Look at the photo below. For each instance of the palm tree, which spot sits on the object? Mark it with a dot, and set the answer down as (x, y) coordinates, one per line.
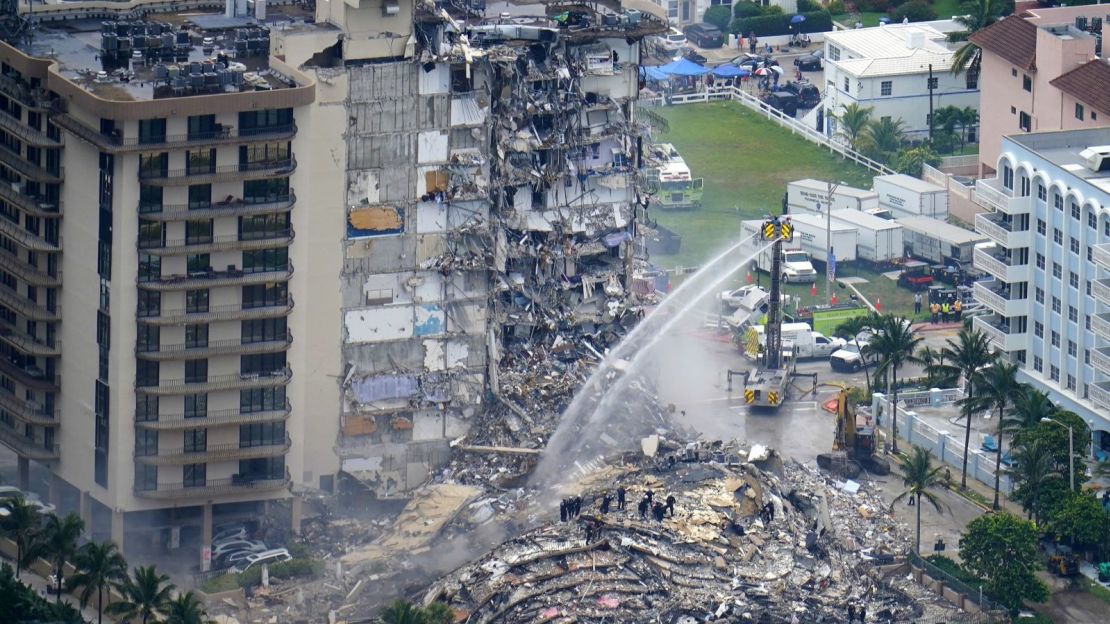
(401, 612)
(145, 595)
(896, 345)
(59, 543)
(883, 137)
(186, 609)
(920, 476)
(99, 567)
(22, 525)
(1031, 406)
(1035, 467)
(947, 118)
(970, 352)
(998, 386)
(970, 120)
(852, 121)
(979, 15)
(853, 327)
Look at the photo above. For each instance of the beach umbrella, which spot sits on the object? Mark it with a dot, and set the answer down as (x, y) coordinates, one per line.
(777, 69)
(797, 19)
(762, 71)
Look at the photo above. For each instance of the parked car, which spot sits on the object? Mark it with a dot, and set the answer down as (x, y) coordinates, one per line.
(229, 560)
(230, 532)
(785, 101)
(813, 61)
(752, 61)
(692, 55)
(808, 95)
(276, 555)
(705, 35)
(237, 545)
(36, 501)
(849, 358)
(673, 41)
(9, 492)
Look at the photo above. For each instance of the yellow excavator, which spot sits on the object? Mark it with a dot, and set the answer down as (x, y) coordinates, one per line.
(854, 443)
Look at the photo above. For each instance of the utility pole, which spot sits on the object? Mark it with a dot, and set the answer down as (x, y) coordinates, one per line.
(931, 87)
(828, 241)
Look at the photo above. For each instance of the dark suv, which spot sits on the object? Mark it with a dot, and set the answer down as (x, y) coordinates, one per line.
(704, 35)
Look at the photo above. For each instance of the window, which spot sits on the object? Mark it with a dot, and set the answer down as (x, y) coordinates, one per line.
(1057, 270)
(196, 301)
(198, 264)
(1087, 321)
(146, 477)
(263, 468)
(1075, 211)
(886, 87)
(265, 295)
(146, 408)
(1007, 177)
(1055, 339)
(1073, 280)
(196, 440)
(263, 153)
(261, 400)
(263, 434)
(256, 122)
(196, 405)
(264, 330)
(1058, 236)
(258, 260)
(972, 77)
(146, 442)
(1025, 122)
(200, 161)
(203, 127)
(150, 198)
(262, 363)
(1079, 111)
(150, 267)
(1088, 287)
(1074, 245)
(196, 371)
(1056, 305)
(1092, 221)
(263, 226)
(1039, 294)
(147, 338)
(1013, 72)
(1071, 347)
(146, 373)
(834, 53)
(1040, 226)
(1073, 314)
(1042, 192)
(154, 165)
(193, 475)
(196, 336)
(1038, 363)
(200, 196)
(1090, 255)
(152, 131)
(846, 90)
(1054, 373)
(1026, 83)
(1038, 329)
(266, 190)
(198, 232)
(1071, 382)
(1058, 201)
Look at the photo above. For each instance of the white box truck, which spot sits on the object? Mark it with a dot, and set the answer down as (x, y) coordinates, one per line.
(939, 242)
(796, 265)
(810, 236)
(800, 341)
(810, 196)
(907, 196)
(878, 240)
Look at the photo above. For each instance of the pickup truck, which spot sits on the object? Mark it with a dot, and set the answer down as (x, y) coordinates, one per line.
(849, 359)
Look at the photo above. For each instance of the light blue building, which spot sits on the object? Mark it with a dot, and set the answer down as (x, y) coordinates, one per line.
(1049, 221)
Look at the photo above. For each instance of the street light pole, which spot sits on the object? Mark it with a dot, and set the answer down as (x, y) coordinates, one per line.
(828, 241)
(1071, 449)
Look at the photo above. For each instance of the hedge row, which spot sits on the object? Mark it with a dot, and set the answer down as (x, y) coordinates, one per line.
(768, 25)
(253, 576)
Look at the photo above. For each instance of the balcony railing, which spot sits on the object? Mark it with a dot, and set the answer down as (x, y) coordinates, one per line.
(996, 227)
(236, 381)
(25, 307)
(211, 279)
(1000, 332)
(214, 453)
(25, 238)
(212, 348)
(36, 98)
(35, 205)
(1100, 394)
(997, 299)
(31, 171)
(219, 136)
(1100, 359)
(1101, 290)
(31, 377)
(232, 208)
(26, 343)
(232, 312)
(990, 194)
(26, 133)
(18, 267)
(1001, 268)
(216, 487)
(1100, 324)
(26, 447)
(210, 244)
(27, 411)
(216, 418)
(222, 173)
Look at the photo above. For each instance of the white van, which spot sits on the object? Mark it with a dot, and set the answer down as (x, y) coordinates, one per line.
(276, 555)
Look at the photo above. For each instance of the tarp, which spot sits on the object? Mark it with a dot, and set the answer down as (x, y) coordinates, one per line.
(683, 67)
(652, 72)
(730, 71)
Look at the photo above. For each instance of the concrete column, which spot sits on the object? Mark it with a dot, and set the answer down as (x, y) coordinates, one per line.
(84, 509)
(206, 526)
(117, 528)
(935, 397)
(910, 417)
(54, 490)
(295, 513)
(24, 473)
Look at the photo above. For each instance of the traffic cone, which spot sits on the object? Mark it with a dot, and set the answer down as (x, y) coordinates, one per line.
(832, 299)
(749, 277)
(878, 304)
(813, 290)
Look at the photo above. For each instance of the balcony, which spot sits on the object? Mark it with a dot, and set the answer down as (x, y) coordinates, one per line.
(232, 208)
(218, 243)
(213, 348)
(216, 487)
(1002, 268)
(998, 299)
(990, 194)
(1101, 255)
(235, 381)
(29, 170)
(26, 411)
(1100, 359)
(232, 312)
(26, 133)
(24, 238)
(26, 343)
(998, 330)
(1100, 394)
(25, 307)
(114, 143)
(212, 279)
(34, 205)
(18, 267)
(30, 376)
(1100, 288)
(36, 98)
(222, 173)
(1100, 324)
(215, 453)
(26, 447)
(998, 228)
(169, 422)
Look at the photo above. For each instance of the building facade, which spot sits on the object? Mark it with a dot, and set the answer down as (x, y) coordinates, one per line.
(899, 71)
(1049, 220)
(1023, 57)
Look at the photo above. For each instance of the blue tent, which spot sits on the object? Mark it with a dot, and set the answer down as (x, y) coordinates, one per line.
(730, 71)
(683, 67)
(651, 72)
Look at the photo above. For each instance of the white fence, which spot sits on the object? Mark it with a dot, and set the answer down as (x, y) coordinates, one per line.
(716, 94)
(946, 446)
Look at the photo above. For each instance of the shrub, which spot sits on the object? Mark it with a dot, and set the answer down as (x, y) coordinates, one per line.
(747, 9)
(809, 6)
(719, 16)
(286, 569)
(916, 11)
(219, 584)
(774, 9)
(836, 7)
(873, 6)
(767, 25)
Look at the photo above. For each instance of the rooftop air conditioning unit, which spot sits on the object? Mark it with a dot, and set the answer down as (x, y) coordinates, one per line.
(1097, 158)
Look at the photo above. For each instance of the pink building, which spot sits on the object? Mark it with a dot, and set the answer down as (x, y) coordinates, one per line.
(1041, 71)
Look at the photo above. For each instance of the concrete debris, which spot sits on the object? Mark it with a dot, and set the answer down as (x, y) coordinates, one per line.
(744, 543)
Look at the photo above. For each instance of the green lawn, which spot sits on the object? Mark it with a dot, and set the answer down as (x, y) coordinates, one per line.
(746, 162)
(947, 8)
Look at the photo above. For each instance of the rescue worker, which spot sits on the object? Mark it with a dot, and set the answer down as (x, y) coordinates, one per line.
(650, 496)
(916, 303)
(563, 510)
(934, 307)
(957, 308)
(851, 612)
(658, 510)
(670, 505)
(944, 309)
(620, 498)
(577, 506)
(642, 507)
(606, 500)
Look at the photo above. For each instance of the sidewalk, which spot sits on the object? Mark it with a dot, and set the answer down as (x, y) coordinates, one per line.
(38, 584)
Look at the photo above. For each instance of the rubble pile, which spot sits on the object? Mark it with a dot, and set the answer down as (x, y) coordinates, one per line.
(751, 538)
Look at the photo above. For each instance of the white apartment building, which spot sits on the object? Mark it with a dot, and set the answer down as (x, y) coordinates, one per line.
(1049, 220)
(898, 71)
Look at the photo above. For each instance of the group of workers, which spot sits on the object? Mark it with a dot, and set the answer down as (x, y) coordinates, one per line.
(571, 508)
(946, 311)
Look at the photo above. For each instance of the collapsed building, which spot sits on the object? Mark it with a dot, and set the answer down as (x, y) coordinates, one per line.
(491, 190)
